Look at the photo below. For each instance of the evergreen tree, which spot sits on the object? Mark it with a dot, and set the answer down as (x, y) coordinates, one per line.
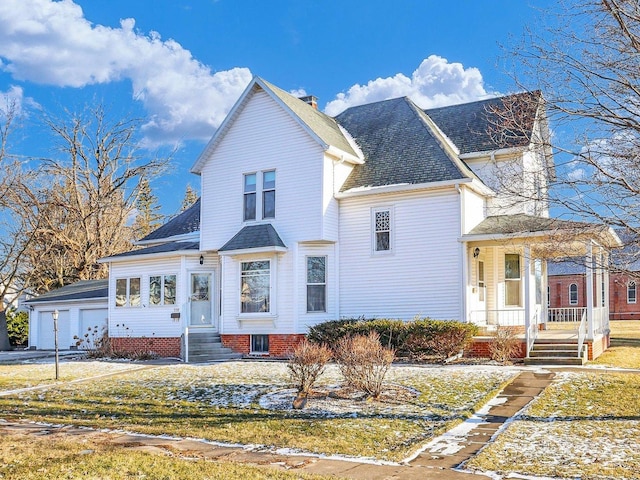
(148, 217)
(190, 197)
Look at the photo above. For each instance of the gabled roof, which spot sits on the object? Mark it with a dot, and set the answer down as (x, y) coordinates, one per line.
(185, 223)
(161, 249)
(400, 146)
(322, 128)
(476, 126)
(262, 236)
(82, 290)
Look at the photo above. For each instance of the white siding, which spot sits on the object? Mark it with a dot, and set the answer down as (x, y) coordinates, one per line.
(156, 321)
(263, 137)
(423, 275)
(474, 209)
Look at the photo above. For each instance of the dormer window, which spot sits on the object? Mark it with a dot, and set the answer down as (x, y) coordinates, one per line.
(266, 203)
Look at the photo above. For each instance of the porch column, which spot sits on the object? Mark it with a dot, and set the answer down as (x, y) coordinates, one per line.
(527, 293)
(589, 281)
(605, 312)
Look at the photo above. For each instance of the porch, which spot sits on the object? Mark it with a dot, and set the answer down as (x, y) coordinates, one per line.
(507, 287)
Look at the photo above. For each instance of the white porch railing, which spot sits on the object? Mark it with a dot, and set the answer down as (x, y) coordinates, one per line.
(582, 333)
(532, 331)
(565, 314)
(503, 318)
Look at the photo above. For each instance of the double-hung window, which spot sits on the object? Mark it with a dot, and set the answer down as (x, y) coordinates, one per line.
(162, 290)
(573, 294)
(512, 280)
(382, 234)
(316, 284)
(631, 292)
(255, 287)
(128, 292)
(264, 182)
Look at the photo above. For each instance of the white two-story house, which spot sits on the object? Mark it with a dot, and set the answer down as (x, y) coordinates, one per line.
(386, 210)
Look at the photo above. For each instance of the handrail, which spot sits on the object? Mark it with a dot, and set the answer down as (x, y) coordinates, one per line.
(582, 333)
(565, 314)
(186, 344)
(532, 332)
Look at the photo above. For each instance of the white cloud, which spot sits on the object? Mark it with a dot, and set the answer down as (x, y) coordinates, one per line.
(435, 83)
(50, 42)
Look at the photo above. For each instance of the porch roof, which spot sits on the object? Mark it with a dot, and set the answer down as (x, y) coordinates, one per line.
(254, 238)
(541, 230)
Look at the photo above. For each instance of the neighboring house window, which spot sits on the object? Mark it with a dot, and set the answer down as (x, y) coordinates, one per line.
(512, 279)
(631, 292)
(260, 344)
(316, 284)
(573, 294)
(255, 283)
(128, 292)
(162, 290)
(269, 194)
(382, 230)
(249, 203)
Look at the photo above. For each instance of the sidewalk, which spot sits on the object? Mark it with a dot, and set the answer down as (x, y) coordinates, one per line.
(18, 356)
(438, 460)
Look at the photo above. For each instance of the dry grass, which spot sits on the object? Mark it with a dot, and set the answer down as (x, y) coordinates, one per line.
(25, 457)
(624, 351)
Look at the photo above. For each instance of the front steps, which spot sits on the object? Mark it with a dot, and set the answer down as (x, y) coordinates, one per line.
(548, 352)
(206, 346)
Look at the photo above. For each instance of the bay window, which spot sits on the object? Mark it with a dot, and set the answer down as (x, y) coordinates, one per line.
(255, 287)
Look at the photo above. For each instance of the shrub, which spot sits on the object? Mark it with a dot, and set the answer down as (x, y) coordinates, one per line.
(437, 338)
(329, 333)
(18, 327)
(306, 364)
(392, 332)
(364, 362)
(95, 342)
(504, 345)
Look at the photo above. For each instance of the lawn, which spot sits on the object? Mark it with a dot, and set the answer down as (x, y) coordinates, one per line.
(624, 351)
(25, 457)
(249, 403)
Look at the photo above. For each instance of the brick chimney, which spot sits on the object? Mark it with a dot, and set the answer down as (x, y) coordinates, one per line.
(310, 100)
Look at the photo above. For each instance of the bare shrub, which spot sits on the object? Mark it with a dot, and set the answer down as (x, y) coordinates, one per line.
(504, 345)
(364, 362)
(95, 342)
(306, 364)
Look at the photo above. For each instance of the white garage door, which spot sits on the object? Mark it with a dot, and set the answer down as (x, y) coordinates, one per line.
(45, 331)
(92, 320)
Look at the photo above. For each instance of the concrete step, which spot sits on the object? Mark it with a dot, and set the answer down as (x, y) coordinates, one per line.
(208, 357)
(554, 353)
(555, 346)
(554, 361)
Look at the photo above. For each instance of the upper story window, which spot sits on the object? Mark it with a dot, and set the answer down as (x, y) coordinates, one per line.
(573, 294)
(269, 194)
(316, 284)
(249, 203)
(128, 292)
(255, 287)
(631, 292)
(512, 280)
(382, 234)
(162, 290)
(252, 202)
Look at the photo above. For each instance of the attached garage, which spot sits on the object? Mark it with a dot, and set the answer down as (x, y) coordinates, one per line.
(81, 306)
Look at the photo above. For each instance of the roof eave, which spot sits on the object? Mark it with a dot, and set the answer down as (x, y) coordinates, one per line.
(248, 251)
(403, 187)
(34, 301)
(175, 238)
(495, 152)
(125, 258)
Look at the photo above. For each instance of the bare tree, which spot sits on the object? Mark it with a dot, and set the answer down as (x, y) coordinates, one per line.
(88, 212)
(585, 57)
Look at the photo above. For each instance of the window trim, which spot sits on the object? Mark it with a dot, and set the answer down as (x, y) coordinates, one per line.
(246, 194)
(272, 296)
(514, 280)
(266, 190)
(259, 195)
(573, 301)
(162, 290)
(374, 231)
(308, 284)
(127, 302)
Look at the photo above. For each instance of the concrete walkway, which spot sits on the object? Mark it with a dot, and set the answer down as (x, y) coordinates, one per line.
(439, 460)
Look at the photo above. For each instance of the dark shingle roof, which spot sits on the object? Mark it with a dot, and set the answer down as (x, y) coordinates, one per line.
(162, 248)
(254, 236)
(186, 222)
(521, 223)
(474, 127)
(82, 290)
(398, 145)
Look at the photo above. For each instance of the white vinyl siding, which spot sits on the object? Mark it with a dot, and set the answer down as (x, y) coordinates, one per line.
(423, 277)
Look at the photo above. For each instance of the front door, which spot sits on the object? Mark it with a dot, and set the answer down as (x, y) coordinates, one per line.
(201, 299)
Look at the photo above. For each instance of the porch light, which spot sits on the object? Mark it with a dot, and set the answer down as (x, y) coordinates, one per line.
(55, 338)
(201, 260)
(476, 252)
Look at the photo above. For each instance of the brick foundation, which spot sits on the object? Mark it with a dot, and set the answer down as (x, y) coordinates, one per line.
(479, 348)
(280, 345)
(163, 347)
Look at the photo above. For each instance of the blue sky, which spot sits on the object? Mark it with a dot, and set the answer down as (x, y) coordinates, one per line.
(181, 64)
